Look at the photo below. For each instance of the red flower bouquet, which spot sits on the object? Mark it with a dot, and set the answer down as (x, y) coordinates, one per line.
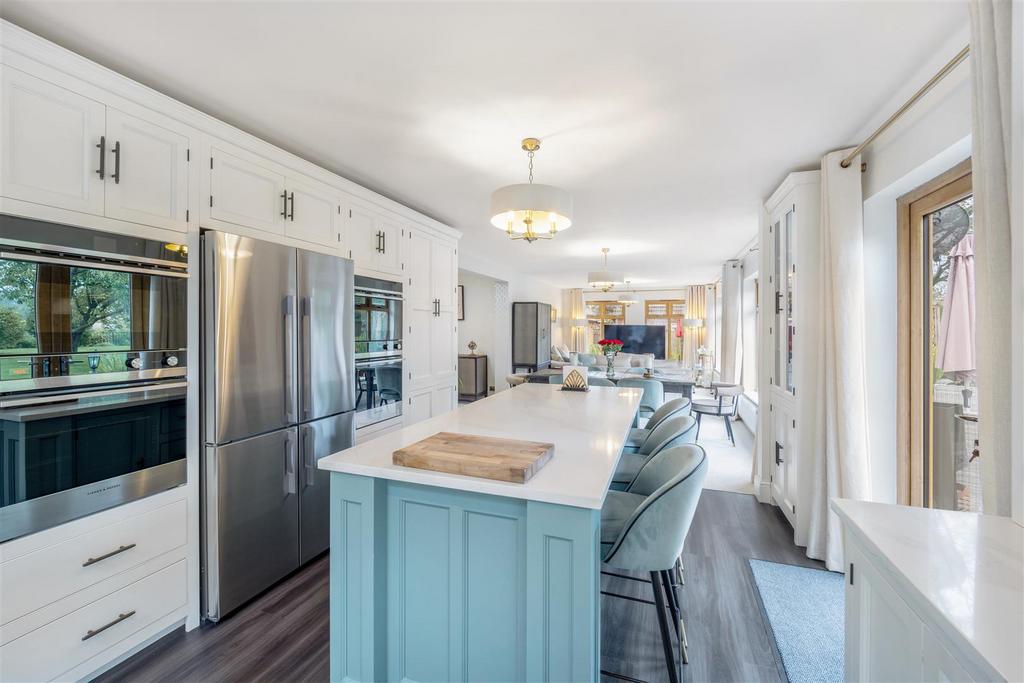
(610, 345)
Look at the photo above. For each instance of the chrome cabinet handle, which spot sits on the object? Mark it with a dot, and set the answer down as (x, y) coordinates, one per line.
(116, 175)
(310, 456)
(291, 198)
(120, 617)
(383, 242)
(121, 549)
(102, 170)
(284, 205)
(778, 448)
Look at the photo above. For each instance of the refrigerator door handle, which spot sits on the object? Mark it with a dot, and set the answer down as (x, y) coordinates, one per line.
(289, 358)
(309, 455)
(290, 466)
(307, 379)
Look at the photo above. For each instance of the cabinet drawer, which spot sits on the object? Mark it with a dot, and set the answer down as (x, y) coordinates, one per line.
(54, 572)
(63, 644)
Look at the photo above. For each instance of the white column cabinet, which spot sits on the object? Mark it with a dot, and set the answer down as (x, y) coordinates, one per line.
(148, 166)
(431, 333)
(788, 239)
(51, 144)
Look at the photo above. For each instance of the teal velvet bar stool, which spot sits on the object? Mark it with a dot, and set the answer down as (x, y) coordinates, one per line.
(654, 393)
(674, 431)
(644, 529)
(637, 436)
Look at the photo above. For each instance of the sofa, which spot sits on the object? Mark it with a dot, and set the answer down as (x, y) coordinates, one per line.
(561, 356)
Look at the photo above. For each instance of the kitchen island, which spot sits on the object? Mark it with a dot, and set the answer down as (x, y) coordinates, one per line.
(439, 576)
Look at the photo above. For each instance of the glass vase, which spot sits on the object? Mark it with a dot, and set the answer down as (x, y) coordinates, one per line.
(610, 370)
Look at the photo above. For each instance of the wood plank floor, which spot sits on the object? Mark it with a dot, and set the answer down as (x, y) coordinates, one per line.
(282, 635)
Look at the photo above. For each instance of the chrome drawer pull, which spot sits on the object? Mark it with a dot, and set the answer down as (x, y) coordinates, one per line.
(94, 560)
(101, 629)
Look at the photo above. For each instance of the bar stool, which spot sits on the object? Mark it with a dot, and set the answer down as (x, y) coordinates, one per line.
(674, 431)
(654, 394)
(644, 529)
(637, 436)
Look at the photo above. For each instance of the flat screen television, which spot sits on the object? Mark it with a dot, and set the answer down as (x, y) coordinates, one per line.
(639, 338)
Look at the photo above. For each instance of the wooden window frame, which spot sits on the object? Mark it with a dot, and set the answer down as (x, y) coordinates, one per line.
(951, 186)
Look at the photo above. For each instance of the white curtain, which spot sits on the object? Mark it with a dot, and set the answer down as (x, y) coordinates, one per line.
(732, 317)
(991, 26)
(833, 450)
(577, 311)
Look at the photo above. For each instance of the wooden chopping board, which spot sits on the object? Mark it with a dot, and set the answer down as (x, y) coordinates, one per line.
(489, 457)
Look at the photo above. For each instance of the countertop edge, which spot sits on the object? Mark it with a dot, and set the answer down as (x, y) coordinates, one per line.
(919, 602)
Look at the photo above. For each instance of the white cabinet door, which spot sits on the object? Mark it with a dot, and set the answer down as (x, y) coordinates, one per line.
(363, 236)
(51, 144)
(245, 193)
(418, 407)
(312, 213)
(419, 311)
(148, 172)
(444, 273)
(883, 635)
(443, 400)
(443, 352)
(938, 664)
(389, 258)
(784, 453)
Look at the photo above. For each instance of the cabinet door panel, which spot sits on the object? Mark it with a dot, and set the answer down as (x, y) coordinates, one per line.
(443, 356)
(245, 193)
(390, 257)
(420, 292)
(49, 144)
(442, 400)
(362, 235)
(416, 345)
(443, 274)
(418, 407)
(152, 183)
(312, 214)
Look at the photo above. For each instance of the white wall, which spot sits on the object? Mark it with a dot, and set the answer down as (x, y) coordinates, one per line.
(520, 287)
(933, 137)
(479, 323)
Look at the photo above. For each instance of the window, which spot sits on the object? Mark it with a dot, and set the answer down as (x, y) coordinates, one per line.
(670, 313)
(601, 313)
(940, 458)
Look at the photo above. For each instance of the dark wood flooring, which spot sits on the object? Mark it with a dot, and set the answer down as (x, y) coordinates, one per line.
(282, 635)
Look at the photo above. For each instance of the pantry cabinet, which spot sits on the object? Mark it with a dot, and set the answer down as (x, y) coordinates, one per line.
(67, 151)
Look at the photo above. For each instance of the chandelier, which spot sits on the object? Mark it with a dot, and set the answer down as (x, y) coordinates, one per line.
(626, 298)
(531, 211)
(605, 279)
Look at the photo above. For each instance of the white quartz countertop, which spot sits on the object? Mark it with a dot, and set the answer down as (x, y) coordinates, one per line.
(588, 431)
(961, 572)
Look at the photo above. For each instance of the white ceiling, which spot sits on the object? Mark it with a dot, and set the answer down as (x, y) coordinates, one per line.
(669, 122)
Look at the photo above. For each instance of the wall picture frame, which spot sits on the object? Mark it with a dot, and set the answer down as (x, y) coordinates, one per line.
(461, 302)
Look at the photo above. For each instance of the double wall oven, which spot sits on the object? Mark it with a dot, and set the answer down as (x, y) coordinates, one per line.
(92, 371)
(378, 350)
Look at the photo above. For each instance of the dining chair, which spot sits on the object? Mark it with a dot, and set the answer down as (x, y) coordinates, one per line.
(674, 431)
(638, 435)
(644, 529)
(726, 401)
(654, 393)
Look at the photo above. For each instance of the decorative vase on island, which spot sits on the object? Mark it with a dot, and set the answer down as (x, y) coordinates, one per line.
(610, 347)
(610, 357)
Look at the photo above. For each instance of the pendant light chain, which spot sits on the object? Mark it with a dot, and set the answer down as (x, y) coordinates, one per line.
(530, 154)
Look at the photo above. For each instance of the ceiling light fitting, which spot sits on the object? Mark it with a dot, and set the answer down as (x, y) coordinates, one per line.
(605, 280)
(626, 298)
(531, 211)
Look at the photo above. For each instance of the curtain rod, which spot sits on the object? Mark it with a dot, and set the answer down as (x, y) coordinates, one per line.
(943, 72)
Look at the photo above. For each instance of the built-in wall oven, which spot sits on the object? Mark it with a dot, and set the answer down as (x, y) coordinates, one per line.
(378, 350)
(92, 371)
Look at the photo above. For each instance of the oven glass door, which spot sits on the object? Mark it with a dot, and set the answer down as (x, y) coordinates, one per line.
(59, 319)
(378, 328)
(55, 454)
(378, 391)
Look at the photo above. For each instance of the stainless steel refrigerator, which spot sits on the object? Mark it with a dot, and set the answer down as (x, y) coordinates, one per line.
(278, 394)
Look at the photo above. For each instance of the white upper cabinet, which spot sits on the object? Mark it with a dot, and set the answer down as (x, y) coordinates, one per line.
(245, 192)
(313, 212)
(431, 336)
(147, 166)
(375, 239)
(51, 145)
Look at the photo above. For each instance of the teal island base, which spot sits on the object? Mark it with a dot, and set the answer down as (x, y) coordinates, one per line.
(437, 584)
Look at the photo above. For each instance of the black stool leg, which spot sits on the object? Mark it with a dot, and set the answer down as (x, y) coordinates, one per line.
(670, 598)
(659, 602)
(728, 428)
(696, 437)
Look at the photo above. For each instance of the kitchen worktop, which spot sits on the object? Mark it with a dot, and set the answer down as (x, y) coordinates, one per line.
(587, 429)
(961, 571)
